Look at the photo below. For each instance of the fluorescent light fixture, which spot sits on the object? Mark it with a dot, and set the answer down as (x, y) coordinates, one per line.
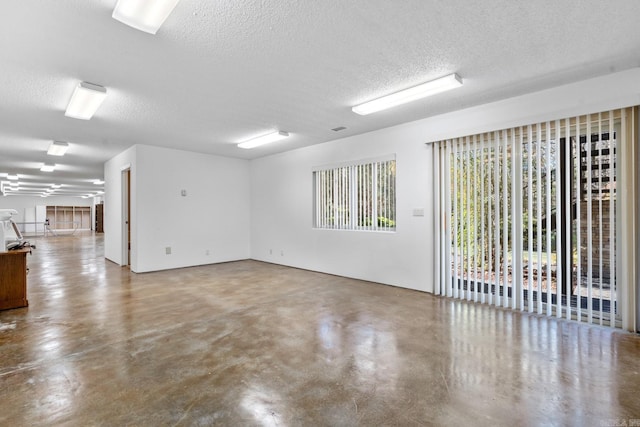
(85, 101)
(12, 177)
(449, 82)
(56, 186)
(47, 167)
(98, 181)
(58, 148)
(264, 139)
(144, 15)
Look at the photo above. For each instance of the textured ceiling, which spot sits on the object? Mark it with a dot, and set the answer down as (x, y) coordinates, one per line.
(219, 72)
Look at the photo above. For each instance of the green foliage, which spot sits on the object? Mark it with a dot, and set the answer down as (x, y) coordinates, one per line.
(481, 187)
(386, 222)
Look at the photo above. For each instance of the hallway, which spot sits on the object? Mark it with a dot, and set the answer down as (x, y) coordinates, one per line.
(250, 343)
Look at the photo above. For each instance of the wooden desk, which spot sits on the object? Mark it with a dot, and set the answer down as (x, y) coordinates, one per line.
(13, 279)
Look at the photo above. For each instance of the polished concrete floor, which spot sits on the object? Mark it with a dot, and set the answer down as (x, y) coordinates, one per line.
(248, 343)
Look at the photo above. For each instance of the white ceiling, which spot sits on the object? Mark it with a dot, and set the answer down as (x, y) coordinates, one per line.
(220, 72)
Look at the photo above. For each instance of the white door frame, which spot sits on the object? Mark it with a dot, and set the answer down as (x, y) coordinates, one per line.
(125, 176)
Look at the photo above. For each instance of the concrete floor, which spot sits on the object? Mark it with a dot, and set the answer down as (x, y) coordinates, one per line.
(248, 343)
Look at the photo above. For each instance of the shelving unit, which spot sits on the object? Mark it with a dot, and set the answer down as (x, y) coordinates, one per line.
(69, 217)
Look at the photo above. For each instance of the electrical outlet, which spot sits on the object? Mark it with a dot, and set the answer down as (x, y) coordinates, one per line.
(167, 250)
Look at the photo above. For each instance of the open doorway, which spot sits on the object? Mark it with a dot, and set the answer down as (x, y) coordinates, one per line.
(126, 217)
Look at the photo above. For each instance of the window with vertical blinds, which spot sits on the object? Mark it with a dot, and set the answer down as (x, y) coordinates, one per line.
(358, 196)
(530, 217)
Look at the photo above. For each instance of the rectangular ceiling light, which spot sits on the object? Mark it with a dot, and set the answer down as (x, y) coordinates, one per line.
(449, 82)
(12, 177)
(264, 139)
(58, 148)
(47, 167)
(85, 101)
(144, 15)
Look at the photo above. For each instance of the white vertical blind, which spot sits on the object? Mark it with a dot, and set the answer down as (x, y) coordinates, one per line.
(437, 206)
(528, 217)
(476, 219)
(468, 209)
(505, 223)
(612, 210)
(517, 141)
(447, 164)
(558, 216)
(538, 213)
(566, 224)
(496, 224)
(578, 223)
(483, 239)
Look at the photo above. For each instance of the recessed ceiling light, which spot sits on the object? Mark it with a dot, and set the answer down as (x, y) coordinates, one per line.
(442, 84)
(47, 167)
(98, 181)
(85, 101)
(264, 139)
(144, 15)
(58, 148)
(12, 177)
(56, 186)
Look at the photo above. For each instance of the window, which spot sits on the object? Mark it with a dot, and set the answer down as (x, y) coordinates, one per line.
(359, 196)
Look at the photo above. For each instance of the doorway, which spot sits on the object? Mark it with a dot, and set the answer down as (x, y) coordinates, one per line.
(126, 217)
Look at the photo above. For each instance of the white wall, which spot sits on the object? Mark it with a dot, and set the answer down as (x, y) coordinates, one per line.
(208, 225)
(281, 213)
(281, 185)
(112, 223)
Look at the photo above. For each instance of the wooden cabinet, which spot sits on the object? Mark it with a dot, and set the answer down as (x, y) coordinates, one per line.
(13, 279)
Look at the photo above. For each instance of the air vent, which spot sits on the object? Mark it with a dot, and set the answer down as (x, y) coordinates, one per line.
(338, 129)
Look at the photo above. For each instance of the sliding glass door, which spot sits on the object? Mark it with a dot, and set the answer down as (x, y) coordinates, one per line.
(529, 217)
